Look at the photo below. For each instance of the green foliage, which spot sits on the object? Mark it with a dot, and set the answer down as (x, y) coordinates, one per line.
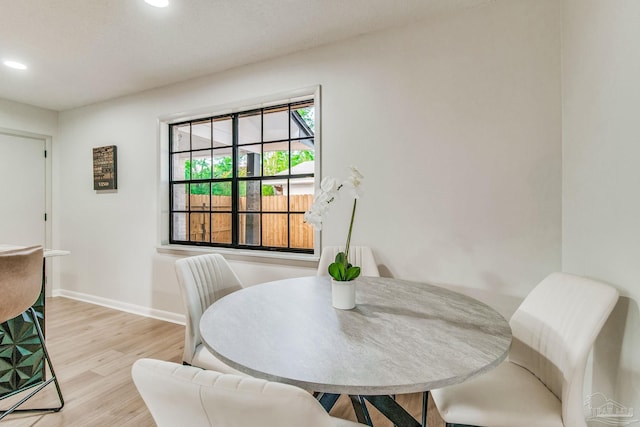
(307, 115)
(223, 167)
(267, 190)
(199, 169)
(301, 156)
(274, 162)
(342, 270)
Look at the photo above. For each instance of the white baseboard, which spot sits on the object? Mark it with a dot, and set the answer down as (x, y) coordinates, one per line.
(167, 316)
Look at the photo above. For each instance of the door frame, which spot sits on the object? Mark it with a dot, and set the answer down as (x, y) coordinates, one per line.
(48, 227)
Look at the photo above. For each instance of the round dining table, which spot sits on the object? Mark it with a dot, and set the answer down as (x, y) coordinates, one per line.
(402, 337)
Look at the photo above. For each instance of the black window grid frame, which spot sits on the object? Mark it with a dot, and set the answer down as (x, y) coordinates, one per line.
(235, 180)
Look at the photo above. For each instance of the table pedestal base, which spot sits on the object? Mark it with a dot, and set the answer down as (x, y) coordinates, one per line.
(385, 404)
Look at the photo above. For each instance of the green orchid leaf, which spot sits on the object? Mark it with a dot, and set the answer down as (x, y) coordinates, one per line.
(351, 273)
(342, 270)
(337, 271)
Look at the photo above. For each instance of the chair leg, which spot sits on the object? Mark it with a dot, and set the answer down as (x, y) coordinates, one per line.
(360, 409)
(425, 399)
(31, 312)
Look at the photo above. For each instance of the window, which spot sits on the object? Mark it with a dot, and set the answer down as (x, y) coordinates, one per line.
(244, 179)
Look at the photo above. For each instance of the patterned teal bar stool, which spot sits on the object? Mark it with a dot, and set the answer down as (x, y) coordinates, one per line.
(20, 286)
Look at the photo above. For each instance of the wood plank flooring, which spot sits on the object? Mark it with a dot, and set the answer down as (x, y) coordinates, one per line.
(93, 348)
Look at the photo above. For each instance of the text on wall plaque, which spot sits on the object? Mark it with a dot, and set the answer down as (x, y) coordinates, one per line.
(105, 168)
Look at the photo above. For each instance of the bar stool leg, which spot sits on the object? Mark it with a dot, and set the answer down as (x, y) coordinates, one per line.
(54, 379)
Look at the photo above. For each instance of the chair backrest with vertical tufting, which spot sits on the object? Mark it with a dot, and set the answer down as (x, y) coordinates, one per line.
(554, 330)
(203, 280)
(188, 396)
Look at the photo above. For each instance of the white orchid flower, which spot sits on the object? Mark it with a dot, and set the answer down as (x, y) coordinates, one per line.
(329, 185)
(354, 181)
(356, 175)
(314, 219)
(327, 193)
(322, 197)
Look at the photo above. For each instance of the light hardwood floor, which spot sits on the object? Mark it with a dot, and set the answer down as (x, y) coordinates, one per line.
(93, 348)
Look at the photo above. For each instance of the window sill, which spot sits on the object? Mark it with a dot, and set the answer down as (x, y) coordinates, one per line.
(304, 260)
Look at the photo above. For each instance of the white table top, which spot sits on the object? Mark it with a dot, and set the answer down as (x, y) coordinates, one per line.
(47, 252)
(402, 337)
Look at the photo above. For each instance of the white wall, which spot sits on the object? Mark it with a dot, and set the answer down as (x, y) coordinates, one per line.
(454, 123)
(25, 118)
(601, 176)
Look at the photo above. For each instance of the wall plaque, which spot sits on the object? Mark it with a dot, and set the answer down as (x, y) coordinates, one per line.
(105, 168)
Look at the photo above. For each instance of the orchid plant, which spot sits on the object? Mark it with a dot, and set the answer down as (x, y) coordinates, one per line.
(341, 270)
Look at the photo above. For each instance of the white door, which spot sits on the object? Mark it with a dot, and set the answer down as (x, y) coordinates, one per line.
(22, 190)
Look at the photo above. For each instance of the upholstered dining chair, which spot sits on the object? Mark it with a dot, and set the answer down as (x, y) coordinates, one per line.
(541, 384)
(20, 285)
(178, 395)
(362, 256)
(203, 279)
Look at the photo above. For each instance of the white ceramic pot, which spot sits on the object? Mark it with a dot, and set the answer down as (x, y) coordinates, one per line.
(343, 294)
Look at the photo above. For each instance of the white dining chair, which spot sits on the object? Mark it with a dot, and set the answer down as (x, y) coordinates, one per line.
(203, 279)
(20, 285)
(362, 256)
(178, 395)
(541, 384)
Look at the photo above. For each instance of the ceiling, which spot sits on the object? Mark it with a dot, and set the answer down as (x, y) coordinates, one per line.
(84, 51)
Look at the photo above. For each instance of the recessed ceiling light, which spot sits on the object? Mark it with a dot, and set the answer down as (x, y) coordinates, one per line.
(14, 64)
(158, 3)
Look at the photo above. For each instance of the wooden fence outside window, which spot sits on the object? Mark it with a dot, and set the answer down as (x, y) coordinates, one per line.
(277, 229)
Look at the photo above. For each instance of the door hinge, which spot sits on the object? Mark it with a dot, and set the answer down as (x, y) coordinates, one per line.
(45, 216)
(45, 154)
